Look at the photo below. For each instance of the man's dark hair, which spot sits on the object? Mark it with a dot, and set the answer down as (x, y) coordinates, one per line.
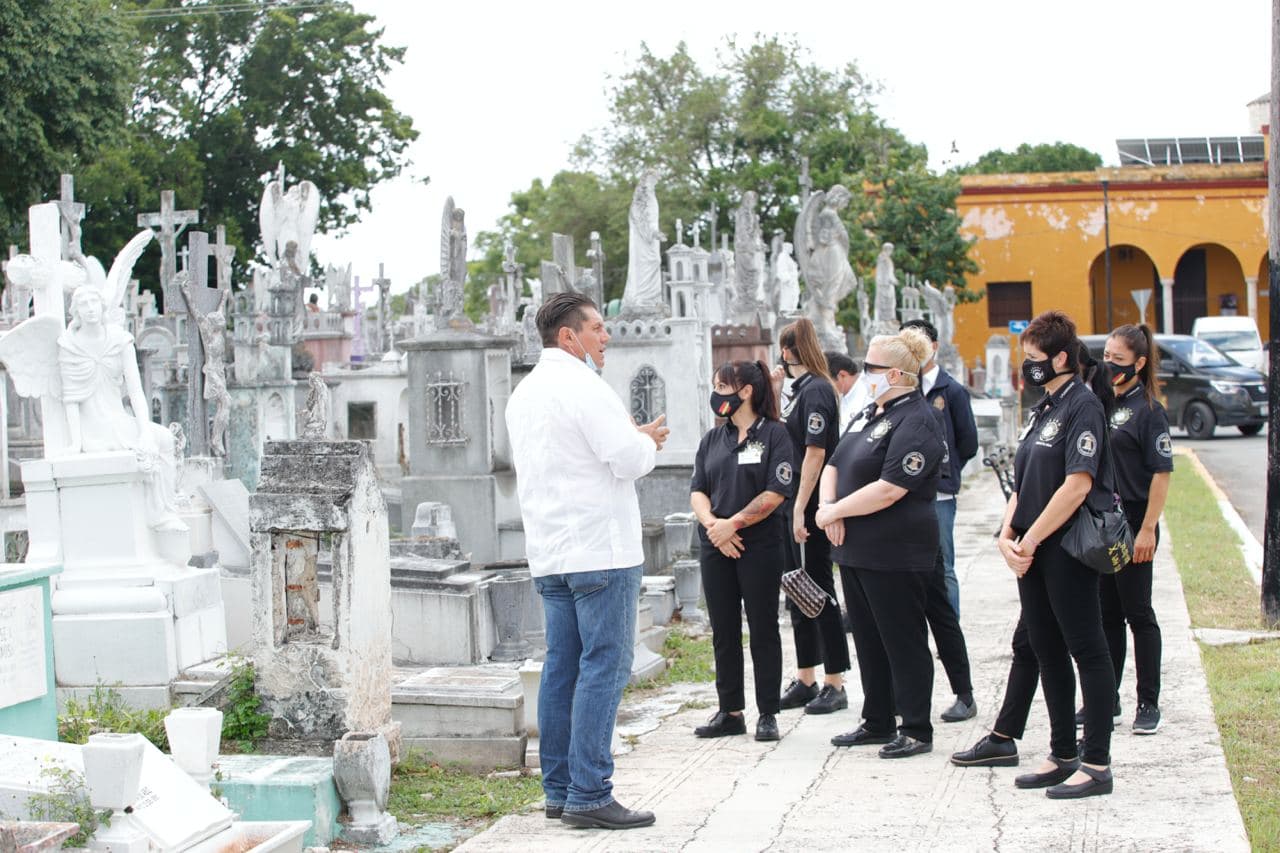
(838, 361)
(559, 310)
(924, 326)
(314, 299)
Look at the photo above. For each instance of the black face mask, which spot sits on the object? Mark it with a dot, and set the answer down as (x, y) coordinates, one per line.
(786, 367)
(724, 405)
(1121, 374)
(1038, 372)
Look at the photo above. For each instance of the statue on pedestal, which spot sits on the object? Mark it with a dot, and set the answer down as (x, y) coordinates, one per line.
(786, 275)
(822, 246)
(643, 292)
(886, 308)
(748, 261)
(449, 293)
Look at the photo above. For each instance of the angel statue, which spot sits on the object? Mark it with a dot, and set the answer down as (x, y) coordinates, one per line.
(643, 291)
(886, 289)
(453, 266)
(822, 250)
(748, 259)
(90, 367)
(942, 306)
(288, 217)
(213, 339)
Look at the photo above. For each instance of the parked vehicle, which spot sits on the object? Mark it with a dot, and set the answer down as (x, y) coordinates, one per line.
(1202, 387)
(1236, 336)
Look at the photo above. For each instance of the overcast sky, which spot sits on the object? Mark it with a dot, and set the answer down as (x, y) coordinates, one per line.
(501, 91)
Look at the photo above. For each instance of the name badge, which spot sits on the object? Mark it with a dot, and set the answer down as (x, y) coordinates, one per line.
(751, 454)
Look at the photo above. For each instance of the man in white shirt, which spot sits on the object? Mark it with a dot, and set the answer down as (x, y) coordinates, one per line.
(577, 455)
(853, 394)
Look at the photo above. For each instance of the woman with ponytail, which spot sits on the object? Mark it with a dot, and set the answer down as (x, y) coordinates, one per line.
(742, 475)
(812, 414)
(1143, 455)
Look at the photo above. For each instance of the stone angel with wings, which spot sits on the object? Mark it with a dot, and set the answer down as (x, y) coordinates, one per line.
(822, 251)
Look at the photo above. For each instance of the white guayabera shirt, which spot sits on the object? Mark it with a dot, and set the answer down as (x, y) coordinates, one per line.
(577, 455)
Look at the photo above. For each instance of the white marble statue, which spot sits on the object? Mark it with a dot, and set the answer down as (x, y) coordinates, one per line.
(748, 259)
(787, 274)
(942, 305)
(886, 308)
(337, 284)
(822, 246)
(288, 217)
(449, 293)
(315, 419)
(213, 339)
(643, 291)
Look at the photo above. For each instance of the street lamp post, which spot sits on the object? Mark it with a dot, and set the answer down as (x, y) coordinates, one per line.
(1106, 261)
(1271, 534)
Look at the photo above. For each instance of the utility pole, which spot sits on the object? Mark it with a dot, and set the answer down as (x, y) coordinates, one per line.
(1271, 534)
(1106, 263)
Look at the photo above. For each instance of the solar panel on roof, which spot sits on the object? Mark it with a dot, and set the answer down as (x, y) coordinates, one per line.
(1177, 151)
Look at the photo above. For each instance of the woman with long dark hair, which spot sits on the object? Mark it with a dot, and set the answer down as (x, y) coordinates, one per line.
(743, 472)
(812, 413)
(1060, 464)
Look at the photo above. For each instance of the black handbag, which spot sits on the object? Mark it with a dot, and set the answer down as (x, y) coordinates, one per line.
(1102, 541)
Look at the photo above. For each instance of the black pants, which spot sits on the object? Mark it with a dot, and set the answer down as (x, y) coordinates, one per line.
(752, 581)
(945, 626)
(892, 640)
(1126, 597)
(1064, 621)
(1020, 690)
(820, 640)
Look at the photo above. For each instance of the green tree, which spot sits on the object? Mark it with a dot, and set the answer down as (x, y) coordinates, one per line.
(68, 70)
(1046, 157)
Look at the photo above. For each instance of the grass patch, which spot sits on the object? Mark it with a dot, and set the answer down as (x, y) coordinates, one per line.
(104, 710)
(1244, 681)
(1220, 592)
(423, 790)
(690, 660)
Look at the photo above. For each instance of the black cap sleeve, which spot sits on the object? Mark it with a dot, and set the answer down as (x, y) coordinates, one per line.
(819, 411)
(914, 453)
(1157, 445)
(779, 459)
(699, 481)
(1082, 444)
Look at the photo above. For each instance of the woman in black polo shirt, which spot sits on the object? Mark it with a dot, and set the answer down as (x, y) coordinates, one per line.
(877, 508)
(1060, 465)
(742, 474)
(1143, 456)
(812, 414)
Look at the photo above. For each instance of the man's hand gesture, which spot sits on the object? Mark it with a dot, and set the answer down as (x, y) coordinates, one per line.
(655, 430)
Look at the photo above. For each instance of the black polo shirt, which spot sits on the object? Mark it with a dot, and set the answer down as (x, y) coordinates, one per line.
(812, 415)
(732, 473)
(1140, 443)
(1063, 435)
(904, 446)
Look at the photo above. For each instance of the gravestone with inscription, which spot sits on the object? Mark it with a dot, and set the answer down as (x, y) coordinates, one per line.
(27, 703)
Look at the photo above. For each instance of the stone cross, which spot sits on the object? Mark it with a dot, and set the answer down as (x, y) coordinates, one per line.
(223, 255)
(806, 182)
(204, 299)
(72, 212)
(358, 348)
(170, 224)
(383, 284)
(562, 254)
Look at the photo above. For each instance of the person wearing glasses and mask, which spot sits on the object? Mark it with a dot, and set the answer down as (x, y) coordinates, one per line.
(878, 494)
(812, 414)
(743, 472)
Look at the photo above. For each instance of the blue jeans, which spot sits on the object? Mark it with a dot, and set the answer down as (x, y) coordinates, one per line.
(947, 544)
(591, 626)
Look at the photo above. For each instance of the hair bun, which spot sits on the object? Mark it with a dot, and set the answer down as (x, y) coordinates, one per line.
(917, 342)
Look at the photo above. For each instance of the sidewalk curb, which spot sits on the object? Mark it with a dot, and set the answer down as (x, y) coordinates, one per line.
(1250, 547)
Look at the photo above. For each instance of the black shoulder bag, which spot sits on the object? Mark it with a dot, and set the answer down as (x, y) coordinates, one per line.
(1101, 540)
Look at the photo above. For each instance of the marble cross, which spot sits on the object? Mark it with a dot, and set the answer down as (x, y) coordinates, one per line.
(358, 348)
(72, 212)
(383, 284)
(806, 182)
(204, 299)
(223, 255)
(170, 223)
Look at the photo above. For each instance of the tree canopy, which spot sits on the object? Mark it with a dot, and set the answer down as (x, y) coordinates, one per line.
(1046, 157)
(742, 124)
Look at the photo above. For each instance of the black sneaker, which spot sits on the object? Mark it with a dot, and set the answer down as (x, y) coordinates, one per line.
(798, 694)
(722, 724)
(1147, 720)
(829, 700)
(988, 753)
(767, 728)
(1115, 714)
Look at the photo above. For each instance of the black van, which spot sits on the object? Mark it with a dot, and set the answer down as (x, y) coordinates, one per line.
(1202, 387)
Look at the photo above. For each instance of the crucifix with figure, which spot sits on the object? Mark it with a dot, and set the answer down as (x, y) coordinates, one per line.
(358, 347)
(170, 223)
(206, 351)
(383, 285)
(71, 213)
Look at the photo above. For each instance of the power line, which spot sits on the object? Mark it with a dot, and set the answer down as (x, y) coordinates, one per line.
(228, 8)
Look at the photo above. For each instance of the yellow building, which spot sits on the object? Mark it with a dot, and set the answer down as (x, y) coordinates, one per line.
(1193, 234)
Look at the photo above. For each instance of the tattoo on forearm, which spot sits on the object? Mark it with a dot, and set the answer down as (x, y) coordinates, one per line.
(760, 507)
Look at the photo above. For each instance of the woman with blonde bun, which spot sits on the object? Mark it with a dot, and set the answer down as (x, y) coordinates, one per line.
(876, 505)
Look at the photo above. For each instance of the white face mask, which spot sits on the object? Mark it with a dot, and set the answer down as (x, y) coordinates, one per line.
(586, 356)
(876, 384)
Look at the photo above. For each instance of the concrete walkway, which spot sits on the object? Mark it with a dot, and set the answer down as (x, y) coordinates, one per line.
(1172, 791)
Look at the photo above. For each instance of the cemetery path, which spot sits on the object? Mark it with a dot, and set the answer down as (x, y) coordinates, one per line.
(1172, 791)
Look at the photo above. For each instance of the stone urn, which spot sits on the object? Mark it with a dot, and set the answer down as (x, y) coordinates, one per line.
(689, 590)
(112, 775)
(507, 597)
(678, 528)
(362, 774)
(194, 737)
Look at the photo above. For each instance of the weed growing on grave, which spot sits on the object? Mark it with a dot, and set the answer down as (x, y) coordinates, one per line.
(242, 719)
(423, 790)
(689, 660)
(66, 801)
(104, 710)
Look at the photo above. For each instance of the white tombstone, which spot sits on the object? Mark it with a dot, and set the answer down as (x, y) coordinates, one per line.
(999, 375)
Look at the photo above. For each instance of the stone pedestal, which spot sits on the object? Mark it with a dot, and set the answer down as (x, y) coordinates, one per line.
(260, 412)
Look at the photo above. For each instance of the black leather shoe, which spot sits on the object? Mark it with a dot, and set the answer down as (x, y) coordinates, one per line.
(1115, 714)
(798, 694)
(554, 812)
(613, 816)
(959, 712)
(861, 737)
(904, 746)
(721, 725)
(767, 728)
(829, 700)
(988, 753)
(1060, 773)
(1099, 782)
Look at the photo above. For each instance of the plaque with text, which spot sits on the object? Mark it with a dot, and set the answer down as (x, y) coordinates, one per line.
(22, 653)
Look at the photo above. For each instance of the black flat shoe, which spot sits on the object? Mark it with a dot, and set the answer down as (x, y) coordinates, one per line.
(1115, 714)
(861, 737)
(904, 746)
(1043, 780)
(959, 712)
(798, 694)
(1099, 782)
(829, 700)
(554, 812)
(988, 753)
(722, 724)
(613, 816)
(767, 728)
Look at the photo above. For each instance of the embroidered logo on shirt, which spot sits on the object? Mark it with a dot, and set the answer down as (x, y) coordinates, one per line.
(783, 473)
(881, 430)
(939, 403)
(1164, 445)
(1050, 430)
(1086, 444)
(913, 463)
(1121, 416)
(817, 423)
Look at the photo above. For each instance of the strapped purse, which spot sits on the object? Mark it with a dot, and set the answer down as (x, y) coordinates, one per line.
(804, 593)
(1103, 541)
